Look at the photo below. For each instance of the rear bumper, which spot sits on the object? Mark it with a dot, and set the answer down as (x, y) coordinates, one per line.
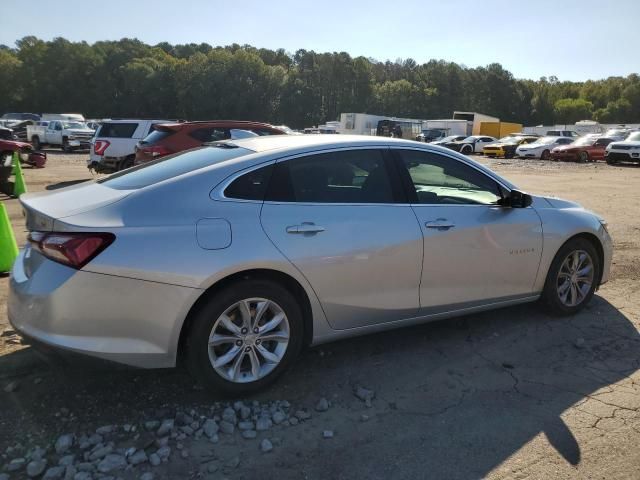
(129, 321)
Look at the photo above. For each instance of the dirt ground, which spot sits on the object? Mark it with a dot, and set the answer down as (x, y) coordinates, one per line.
(512, 393)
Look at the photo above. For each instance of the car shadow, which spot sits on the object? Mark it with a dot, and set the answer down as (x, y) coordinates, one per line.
(453, 399)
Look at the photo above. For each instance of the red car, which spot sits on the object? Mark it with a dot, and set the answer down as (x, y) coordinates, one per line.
(170, 138)
(8, 145)
(585, 149)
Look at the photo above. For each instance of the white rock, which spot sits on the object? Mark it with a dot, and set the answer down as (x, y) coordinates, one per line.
(327, 434)
(16, 464)
(249, 434)
(82, 476)
(63, 443)
(210, 427)
(67, 460)
(266, 446)
(154, 459)
(164, 452)
(263, 423)
(36, 467)
(54, 473)
(278, 417)
(137, 458)
(112, 462)
(146, 476)
(227, 427)
(322, 405)
(165, 427)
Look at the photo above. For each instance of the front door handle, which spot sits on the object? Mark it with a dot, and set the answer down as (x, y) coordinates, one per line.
(305, 227)
(440, 224)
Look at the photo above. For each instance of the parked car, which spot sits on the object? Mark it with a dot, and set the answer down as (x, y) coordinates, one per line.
(506, 146)
(66, 134)
(113, 147)
(257, 247)
(472, 144)
(27, 156)
(589, 148)
(617, 134)
(176, 137)
(562, 133)
(450, 138)
(20, 117)
(429, 135)
(625, 151)
(542, 147)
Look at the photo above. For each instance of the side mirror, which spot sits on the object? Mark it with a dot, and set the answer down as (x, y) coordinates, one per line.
(517, 199)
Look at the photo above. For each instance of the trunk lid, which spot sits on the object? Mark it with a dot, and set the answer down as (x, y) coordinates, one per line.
(42, 209)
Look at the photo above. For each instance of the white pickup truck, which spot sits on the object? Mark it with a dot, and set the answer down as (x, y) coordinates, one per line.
(69, 135)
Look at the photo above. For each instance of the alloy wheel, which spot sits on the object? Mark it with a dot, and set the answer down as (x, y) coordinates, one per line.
(249, 340)
(575, 278)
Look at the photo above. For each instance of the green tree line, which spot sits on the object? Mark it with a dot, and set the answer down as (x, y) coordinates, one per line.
(128, 78)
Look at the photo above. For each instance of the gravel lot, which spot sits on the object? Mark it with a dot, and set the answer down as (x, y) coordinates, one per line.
(505, 394)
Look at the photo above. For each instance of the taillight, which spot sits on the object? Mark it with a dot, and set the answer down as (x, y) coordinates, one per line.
(156, 150)
(72, 249)
(100, 146)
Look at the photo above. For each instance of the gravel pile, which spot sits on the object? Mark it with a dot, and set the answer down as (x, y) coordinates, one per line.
(111, 452)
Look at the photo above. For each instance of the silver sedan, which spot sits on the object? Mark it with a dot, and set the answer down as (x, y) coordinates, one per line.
(237, 255)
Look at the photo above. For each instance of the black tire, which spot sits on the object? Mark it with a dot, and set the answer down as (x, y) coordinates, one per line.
(466, 150)
(611, 162)
(545, 155)
(583, 157)
(35, 141)
(65, 145)
(204, 319)
(550, 297)
(126, 163)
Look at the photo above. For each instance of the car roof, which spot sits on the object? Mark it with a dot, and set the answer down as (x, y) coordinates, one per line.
(217, 123)
(281, 142)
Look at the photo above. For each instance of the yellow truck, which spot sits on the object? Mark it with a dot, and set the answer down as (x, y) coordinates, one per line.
(499, 129)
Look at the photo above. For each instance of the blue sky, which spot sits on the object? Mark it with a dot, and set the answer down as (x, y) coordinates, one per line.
(571, 39)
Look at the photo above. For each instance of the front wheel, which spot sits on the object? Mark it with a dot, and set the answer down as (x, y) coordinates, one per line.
(244, 337)
(572, 278)
(35, 141)
(466, 150)
(584, 157)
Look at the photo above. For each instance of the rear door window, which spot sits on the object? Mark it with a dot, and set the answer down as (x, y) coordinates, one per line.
(117, 130)
(356, 176)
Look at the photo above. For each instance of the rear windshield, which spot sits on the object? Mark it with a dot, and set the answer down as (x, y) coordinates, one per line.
(172, 166)
(157, 135)
(117, 130)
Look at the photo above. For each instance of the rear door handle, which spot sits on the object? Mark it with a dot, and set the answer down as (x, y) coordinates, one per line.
(440, 224)
(305, 227)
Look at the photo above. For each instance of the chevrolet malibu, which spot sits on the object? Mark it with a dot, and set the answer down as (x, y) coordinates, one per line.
(235, 256)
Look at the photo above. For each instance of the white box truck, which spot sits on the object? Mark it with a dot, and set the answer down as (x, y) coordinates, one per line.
(434, 130)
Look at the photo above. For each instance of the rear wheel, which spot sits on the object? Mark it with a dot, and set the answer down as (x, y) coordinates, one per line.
(244, 337)
(572, 277)
(611, 161)
(545, 155)
(35, 141)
